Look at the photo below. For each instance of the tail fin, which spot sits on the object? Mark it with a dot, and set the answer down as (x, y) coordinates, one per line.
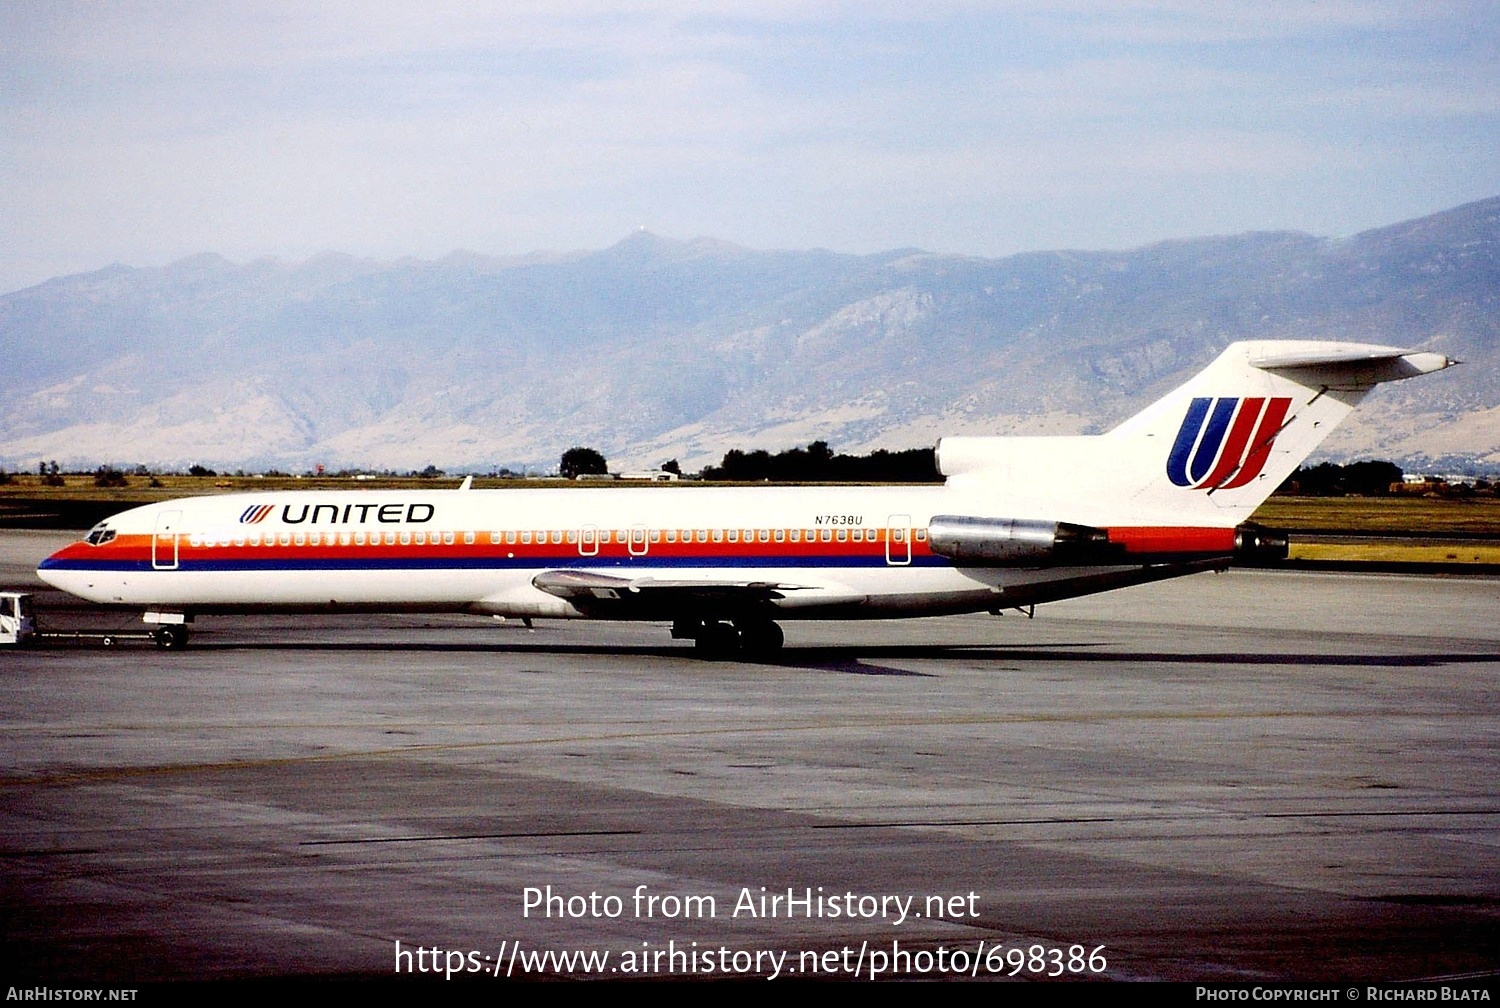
(1210, 451)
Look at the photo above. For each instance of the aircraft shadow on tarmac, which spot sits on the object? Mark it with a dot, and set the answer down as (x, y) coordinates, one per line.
(856, 659)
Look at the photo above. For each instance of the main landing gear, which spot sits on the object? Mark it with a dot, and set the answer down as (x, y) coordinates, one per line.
(722, 639)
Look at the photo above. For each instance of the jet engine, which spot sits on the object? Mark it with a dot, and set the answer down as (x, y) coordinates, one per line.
(1257, 544)
(1000, 542)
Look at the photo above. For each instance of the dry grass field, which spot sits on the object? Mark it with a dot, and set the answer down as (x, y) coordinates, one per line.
(1406, 516)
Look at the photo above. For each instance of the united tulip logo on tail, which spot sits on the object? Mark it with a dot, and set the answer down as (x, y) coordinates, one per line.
(1224, 443)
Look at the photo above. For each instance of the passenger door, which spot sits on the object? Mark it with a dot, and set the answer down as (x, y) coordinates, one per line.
(164, 540)
(898, 540)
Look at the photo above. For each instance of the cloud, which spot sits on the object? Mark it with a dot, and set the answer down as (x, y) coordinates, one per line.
(147, 131)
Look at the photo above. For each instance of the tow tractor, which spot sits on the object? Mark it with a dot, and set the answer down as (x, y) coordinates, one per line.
(17, 619)
(18, 627)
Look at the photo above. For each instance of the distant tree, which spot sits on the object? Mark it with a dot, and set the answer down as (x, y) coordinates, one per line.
(431, 472)
(671, 466)
(5, 478)
(1371, 479)
(198, 470)
(108, 476)
(1328, 479)
(578, 462)
(817, 462)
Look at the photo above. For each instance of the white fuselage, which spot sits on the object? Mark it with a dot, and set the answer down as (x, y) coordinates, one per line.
(851, 550)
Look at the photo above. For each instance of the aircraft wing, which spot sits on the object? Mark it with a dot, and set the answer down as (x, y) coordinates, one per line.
(593, 588)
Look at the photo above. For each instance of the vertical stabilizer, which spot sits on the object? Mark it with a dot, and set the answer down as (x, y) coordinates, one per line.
(1207, 453)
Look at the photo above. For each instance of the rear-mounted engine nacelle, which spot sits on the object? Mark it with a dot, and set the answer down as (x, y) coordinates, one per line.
(996, 542)
(1257, 544)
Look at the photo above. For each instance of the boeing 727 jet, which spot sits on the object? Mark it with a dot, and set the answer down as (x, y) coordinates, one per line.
(1018, 521)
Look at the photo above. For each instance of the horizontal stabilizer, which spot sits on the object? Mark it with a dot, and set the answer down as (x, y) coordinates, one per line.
(1359, 364)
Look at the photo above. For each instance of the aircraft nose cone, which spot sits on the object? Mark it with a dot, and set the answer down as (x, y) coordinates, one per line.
(58, 571)
(51, 571)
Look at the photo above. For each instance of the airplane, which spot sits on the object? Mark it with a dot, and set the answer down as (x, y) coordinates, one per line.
(1018, 521)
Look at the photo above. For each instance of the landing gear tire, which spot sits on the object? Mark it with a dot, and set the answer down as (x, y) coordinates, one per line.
(172, 637)
(760, 639)
(717, 641)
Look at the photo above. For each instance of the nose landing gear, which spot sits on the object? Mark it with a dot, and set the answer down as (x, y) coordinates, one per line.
(170, 636)
(171, 632)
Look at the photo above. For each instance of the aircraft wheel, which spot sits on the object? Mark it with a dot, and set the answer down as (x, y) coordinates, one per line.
(761, 638)
(171, 637)
(717, 641)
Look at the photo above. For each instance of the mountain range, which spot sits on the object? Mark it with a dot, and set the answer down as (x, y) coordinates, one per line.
(655, 349)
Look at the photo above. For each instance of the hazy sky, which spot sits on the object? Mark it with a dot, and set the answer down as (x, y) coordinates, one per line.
(144, 132)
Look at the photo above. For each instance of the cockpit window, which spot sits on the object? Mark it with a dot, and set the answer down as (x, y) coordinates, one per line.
(99, 535)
